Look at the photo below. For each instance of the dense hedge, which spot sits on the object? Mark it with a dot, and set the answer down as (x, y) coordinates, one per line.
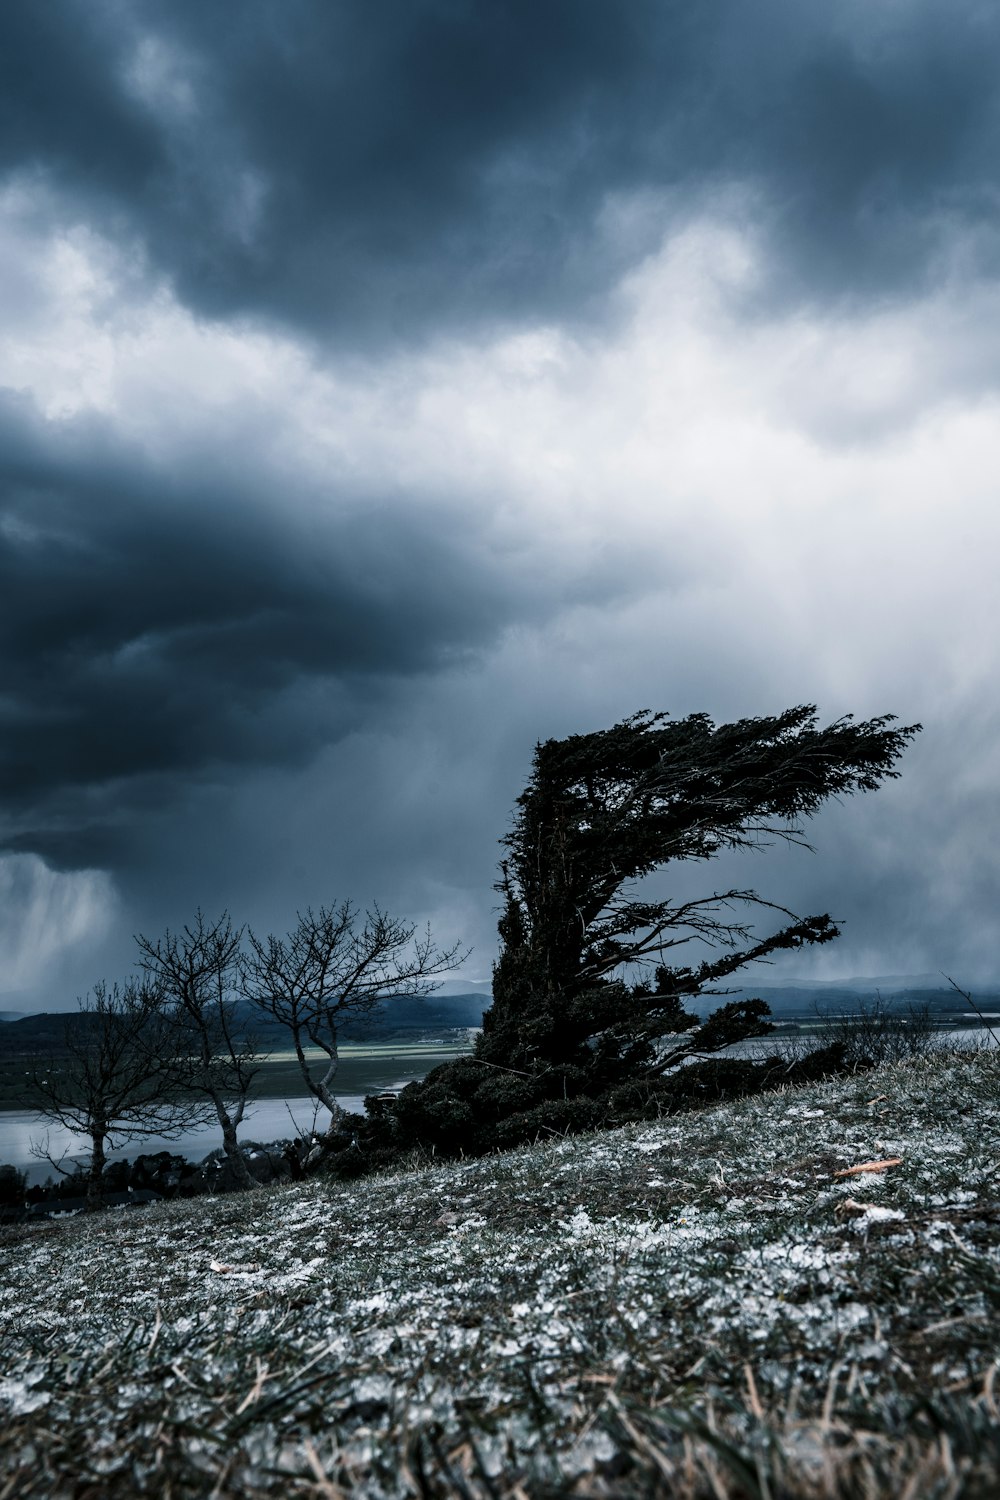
(465, 1108)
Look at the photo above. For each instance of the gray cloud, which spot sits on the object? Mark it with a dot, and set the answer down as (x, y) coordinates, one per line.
(327, 518)
(375, 172)
(162, 625)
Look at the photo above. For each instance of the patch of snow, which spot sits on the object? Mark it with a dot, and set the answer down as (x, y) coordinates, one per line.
(877, 1215)
(21, 1399)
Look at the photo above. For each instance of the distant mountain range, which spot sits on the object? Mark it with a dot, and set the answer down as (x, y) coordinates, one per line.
(885, 984)
(438, 1011)
(800, 998)
(457, 988)
(451, 1008)
(407, 1015)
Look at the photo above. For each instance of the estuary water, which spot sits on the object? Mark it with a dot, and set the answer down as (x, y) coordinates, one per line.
(266, 1120)
(284, 1119)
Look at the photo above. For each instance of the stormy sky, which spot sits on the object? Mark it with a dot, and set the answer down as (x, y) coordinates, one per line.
(384, 388)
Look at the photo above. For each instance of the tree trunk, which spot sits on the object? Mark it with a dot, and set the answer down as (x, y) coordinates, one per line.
(235, 1157)
(96, 1173)
(322, 1093)
(319, 1088)
(231, 1145)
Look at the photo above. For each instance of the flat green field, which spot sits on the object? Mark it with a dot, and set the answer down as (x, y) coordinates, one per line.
(364, 1069)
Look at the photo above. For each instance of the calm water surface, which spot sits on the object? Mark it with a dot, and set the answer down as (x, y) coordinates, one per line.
(276, 1119)
(266, 1120)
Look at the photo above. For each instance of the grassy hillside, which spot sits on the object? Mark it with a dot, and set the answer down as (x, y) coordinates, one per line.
(696, 1307)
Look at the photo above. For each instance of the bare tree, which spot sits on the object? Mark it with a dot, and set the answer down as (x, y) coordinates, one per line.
(115, 1079)
(874, 1033)
(332, 968)
(197, 972)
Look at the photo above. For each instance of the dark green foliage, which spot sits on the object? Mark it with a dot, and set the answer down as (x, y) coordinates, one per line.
(442, 1112)
(600, 812)
(718, 1078)
(551, 1117)
(577, 1033)
(464, 1108)
(12, 1186)
(353, 1161)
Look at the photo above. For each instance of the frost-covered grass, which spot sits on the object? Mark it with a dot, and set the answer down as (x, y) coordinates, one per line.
(695, 1307)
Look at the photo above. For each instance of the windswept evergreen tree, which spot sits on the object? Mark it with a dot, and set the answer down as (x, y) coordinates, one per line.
(603, 810)
(588, 1009)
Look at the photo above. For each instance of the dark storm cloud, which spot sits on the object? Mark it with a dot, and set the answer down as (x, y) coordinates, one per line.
(375, 169)
(226, 652)
(158, 625)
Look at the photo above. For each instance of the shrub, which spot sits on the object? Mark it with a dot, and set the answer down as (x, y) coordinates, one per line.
(875, 1033)
(12, 1186)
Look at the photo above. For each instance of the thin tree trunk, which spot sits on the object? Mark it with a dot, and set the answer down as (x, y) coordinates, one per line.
(235, 1157)
(319, 1087)
(329, 1102)
(231, 1145)
(96, 1174)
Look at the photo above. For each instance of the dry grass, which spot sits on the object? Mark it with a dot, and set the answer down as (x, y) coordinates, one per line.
(697, 1307)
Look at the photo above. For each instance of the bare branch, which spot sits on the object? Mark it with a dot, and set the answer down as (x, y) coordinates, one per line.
(332, 968)
(197, 971)
(114, 1078)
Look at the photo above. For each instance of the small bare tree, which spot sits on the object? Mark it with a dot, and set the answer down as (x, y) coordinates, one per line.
(197, 972)
(115, 1079)
(331, 968)
(874, 1033)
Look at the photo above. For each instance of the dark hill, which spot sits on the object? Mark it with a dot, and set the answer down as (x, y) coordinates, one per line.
(44, 1032)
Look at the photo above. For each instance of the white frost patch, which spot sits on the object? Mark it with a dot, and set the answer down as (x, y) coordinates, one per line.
(581, 1225)
(21, 1399)
(374, 1388)
(877, 1215)
(377, 1302)
(805, 1257)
